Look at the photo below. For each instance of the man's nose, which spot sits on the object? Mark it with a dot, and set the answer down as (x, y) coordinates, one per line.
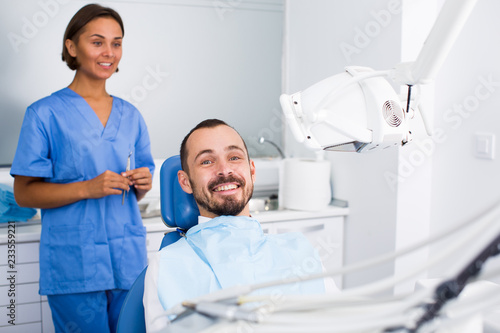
(224, 168)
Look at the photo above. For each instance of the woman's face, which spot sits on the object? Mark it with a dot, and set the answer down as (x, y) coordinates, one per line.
(99, 48)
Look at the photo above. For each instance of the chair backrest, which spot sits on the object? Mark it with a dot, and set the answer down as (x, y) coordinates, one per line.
(178, 210)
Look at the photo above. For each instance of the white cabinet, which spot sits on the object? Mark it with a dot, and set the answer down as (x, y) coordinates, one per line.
(325, 234)
(20, 304)
(325, 230)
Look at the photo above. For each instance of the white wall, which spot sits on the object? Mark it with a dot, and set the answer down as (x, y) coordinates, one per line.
(316, 33)
(464, 186)
(183, 61)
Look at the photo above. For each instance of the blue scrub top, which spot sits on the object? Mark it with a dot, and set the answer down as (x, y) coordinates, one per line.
(92, 244)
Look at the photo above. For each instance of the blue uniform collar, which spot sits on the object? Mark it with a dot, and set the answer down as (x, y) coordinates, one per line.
(81, 106)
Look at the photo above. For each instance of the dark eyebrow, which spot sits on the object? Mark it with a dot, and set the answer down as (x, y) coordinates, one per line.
(101, 36)
(210, 151)
(205, 151)
(235, 147)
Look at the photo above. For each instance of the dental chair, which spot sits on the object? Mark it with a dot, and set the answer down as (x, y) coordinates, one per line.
(178, 210)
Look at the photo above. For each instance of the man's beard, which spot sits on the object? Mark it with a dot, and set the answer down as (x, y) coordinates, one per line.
(231, 205)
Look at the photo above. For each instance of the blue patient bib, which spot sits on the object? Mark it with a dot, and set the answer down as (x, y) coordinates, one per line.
(228, 251)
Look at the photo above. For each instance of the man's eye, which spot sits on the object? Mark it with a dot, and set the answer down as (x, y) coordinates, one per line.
(206, 162)
(234, 158)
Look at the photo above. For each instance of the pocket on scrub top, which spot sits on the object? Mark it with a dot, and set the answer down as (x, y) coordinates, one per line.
(72, 252)
(133, 256)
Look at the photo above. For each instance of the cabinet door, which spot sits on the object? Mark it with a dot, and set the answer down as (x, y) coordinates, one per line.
(325, 234)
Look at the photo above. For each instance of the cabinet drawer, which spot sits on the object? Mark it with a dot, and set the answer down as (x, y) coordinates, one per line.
(24, 253)
(23, 314)
(24, 293)
(24, 273)
(22, 328)
(307, 226)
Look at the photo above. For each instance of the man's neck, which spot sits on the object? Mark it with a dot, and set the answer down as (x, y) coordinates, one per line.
(205, 213)
(205, 217)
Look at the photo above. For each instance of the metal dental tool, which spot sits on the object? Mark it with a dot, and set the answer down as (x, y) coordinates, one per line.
(127, 169)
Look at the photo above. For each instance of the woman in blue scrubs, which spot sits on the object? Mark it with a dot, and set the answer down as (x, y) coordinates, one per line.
(71, 161)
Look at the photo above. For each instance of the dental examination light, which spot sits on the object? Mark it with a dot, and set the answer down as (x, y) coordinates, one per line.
(359, 110)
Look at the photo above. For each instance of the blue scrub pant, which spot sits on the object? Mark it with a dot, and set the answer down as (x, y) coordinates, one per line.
(87, 312)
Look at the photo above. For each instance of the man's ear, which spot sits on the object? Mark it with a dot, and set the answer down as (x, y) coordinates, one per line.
(252, 170)
(183, 178)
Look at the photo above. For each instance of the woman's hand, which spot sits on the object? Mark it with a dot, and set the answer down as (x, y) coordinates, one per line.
(35, 192)
(141, 179)
(107, 183)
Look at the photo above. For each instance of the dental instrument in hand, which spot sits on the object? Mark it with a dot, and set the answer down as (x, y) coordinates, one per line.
(127, 169)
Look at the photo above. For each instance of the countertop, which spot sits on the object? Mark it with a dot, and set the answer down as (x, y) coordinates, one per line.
(30, 231)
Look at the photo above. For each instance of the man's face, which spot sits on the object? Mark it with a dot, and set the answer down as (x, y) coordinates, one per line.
(219, 174)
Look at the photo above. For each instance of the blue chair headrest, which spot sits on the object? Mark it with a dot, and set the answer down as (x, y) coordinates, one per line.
(178, 208)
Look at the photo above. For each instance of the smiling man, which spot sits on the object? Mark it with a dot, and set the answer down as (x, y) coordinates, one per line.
(217, 170)
(227, 247)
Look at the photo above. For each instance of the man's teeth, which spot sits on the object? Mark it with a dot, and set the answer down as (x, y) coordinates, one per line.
(225, 188)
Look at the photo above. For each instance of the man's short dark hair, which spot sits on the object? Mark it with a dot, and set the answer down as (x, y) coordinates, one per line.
(208, 123)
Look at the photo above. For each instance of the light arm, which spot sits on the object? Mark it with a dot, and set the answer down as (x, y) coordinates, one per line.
(445, 31)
